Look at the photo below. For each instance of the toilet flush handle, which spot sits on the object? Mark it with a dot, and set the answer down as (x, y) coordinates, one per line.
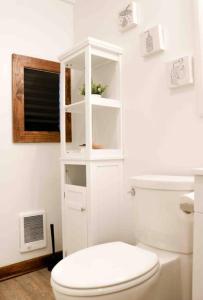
(132, 192)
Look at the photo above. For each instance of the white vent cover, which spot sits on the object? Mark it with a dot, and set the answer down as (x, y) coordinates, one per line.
(32, 231)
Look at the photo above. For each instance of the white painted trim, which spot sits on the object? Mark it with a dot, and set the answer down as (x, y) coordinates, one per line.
(198, 17)
(69, 1)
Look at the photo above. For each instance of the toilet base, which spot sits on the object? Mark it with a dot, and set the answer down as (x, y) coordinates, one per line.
(172, 282)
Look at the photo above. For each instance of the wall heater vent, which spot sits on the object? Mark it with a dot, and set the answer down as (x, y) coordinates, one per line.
(32, 231)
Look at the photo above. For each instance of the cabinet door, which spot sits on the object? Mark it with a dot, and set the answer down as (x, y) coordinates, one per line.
(106, 193)
(75, 219)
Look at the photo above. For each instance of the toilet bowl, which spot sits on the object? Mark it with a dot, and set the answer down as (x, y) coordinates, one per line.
(116, 271)
(158, 267)
(107, 271)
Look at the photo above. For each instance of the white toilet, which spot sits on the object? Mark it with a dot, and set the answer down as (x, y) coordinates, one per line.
(157, 267)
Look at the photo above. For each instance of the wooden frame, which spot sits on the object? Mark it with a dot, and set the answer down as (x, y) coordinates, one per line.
(19, 63)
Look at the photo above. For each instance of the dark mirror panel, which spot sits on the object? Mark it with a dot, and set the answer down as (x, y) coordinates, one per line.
(41, 100)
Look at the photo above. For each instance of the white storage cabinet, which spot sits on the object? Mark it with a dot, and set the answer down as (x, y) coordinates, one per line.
(91, 179)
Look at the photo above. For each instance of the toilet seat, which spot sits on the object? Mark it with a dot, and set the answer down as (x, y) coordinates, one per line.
(104, 269)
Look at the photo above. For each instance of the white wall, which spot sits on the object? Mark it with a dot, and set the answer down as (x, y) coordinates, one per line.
(163, 132)
(29, 173)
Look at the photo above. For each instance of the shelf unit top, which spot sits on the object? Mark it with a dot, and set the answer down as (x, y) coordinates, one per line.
(94, 43)
(102, 53)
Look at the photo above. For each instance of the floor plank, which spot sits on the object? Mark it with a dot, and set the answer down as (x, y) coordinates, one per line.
(32, 286)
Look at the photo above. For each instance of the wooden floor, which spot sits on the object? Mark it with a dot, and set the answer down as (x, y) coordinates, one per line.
(32, 286)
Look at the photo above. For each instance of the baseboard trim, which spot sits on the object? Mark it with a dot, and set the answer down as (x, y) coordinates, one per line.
(26, 266)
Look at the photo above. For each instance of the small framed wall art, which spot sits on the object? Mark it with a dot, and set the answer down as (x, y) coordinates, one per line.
(180, 72)
(152, 41)
(128, 17)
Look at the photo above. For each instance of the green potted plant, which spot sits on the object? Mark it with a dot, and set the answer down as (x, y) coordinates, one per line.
(97, 89)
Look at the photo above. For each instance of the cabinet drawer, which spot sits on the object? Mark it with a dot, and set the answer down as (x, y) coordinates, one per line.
(75, 197)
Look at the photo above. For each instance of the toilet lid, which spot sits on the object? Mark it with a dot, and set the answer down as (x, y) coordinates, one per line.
(103, 266)
(163, 182)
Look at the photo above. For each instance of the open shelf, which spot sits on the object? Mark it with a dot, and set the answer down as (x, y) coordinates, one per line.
(105, 102)
(106, 128)
(79, 107)
(96, 122)
(76, 175)
(78, 127)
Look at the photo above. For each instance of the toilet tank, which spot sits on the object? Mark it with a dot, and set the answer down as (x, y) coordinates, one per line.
(158, 219)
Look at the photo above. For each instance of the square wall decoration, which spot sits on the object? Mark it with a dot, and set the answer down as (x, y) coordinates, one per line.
(180, 72)
(128, 16)
(152, 41)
